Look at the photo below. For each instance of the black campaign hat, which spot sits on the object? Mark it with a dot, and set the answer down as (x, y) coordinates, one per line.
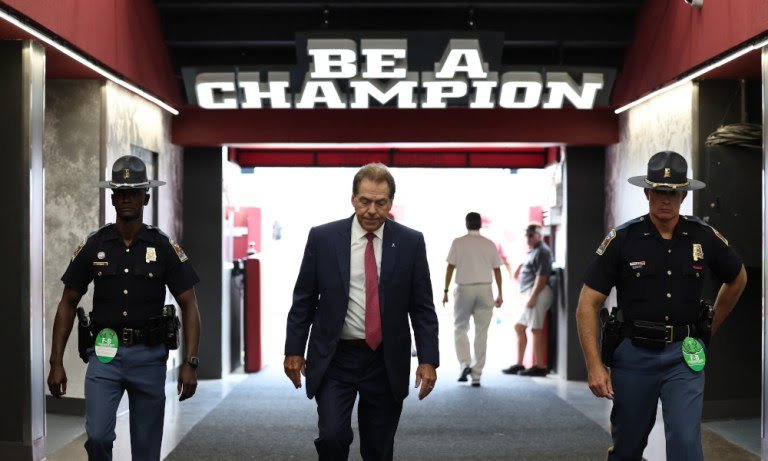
(129, 172)
(667, 170)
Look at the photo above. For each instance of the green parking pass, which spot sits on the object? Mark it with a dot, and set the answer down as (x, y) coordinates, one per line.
(106, 345)
(694, 354)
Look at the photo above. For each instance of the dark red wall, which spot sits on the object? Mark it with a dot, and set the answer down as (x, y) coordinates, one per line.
(672, 37)
(200, 127)
(125, 36)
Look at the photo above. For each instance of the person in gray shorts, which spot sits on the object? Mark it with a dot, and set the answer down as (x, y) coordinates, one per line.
(533, 276)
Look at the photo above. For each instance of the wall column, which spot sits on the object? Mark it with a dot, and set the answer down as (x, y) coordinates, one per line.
(204, 242)
(22, 393)
(583, 216)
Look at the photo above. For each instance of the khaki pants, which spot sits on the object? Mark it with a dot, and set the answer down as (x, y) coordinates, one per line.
(472, 301)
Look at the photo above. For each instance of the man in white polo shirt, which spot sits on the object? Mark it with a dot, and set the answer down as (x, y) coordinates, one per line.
(476, 260)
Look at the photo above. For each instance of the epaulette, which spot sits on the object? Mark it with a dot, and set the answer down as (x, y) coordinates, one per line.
(697, 220)
(631, 222)
(157, 230)
(101, 229)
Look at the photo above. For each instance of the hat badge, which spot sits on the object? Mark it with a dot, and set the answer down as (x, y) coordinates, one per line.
(667, 173)
(127, 174)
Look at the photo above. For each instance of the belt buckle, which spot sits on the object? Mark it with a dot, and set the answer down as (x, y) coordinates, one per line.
(669, 334)
(127, 336)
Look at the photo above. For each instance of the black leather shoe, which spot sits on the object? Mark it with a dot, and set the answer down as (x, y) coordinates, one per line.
(513, 370)
(475, 383)
(534, 371)
(464, 374)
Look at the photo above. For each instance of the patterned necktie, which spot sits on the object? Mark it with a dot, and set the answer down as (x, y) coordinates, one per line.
(372, 314)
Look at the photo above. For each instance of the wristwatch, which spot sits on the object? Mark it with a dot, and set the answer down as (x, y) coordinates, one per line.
(193, 362)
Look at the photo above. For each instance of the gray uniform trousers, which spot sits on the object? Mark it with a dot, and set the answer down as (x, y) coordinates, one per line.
(140, 370)
(640, 377)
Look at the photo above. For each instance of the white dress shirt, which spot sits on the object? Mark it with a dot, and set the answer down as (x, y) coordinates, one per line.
(354, 323)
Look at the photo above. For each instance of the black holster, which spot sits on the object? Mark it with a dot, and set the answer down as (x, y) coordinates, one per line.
(611, 333)
(164, 328)
(84, 334)
(704, 324)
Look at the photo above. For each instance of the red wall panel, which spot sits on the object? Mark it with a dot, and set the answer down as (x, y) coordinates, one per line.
(125, 36)
(672, 37)
(201, 127)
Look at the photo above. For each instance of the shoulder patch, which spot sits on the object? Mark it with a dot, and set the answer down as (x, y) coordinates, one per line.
(606, 241)
(79, 247)
(719, 235)
(179, 252)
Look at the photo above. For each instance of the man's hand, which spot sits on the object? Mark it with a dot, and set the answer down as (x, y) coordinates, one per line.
(499, 301)
(294, 366)
(57, 381)
(187, 384)
(531, 302)
(600, 382)
(426, 375)
(445, 298)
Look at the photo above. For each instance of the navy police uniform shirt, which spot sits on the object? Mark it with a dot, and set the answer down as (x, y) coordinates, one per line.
(660, 280)
(129, 282)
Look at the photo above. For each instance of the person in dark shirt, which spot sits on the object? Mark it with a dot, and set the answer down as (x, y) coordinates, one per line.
(130, 265)
(658, 264)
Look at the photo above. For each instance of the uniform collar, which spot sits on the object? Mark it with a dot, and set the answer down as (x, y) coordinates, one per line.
(473, 232)
(682, 228)
(110, 233)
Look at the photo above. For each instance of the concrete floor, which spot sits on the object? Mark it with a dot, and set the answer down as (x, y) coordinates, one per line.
(722, 439)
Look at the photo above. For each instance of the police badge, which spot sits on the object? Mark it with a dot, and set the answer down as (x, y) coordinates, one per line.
(698, 253)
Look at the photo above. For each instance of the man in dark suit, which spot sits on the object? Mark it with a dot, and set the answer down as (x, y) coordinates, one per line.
(360, 280)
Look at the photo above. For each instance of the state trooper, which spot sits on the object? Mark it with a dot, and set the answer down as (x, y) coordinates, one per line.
(130, 265)
(657, 263)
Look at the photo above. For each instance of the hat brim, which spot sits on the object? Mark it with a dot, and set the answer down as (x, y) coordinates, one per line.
(693, 184)
(111, 185)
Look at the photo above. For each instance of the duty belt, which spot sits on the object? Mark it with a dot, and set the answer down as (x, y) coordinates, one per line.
(129, 336)
(656, 334)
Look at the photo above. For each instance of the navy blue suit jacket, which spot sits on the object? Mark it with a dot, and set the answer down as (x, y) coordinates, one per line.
(321, 297)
